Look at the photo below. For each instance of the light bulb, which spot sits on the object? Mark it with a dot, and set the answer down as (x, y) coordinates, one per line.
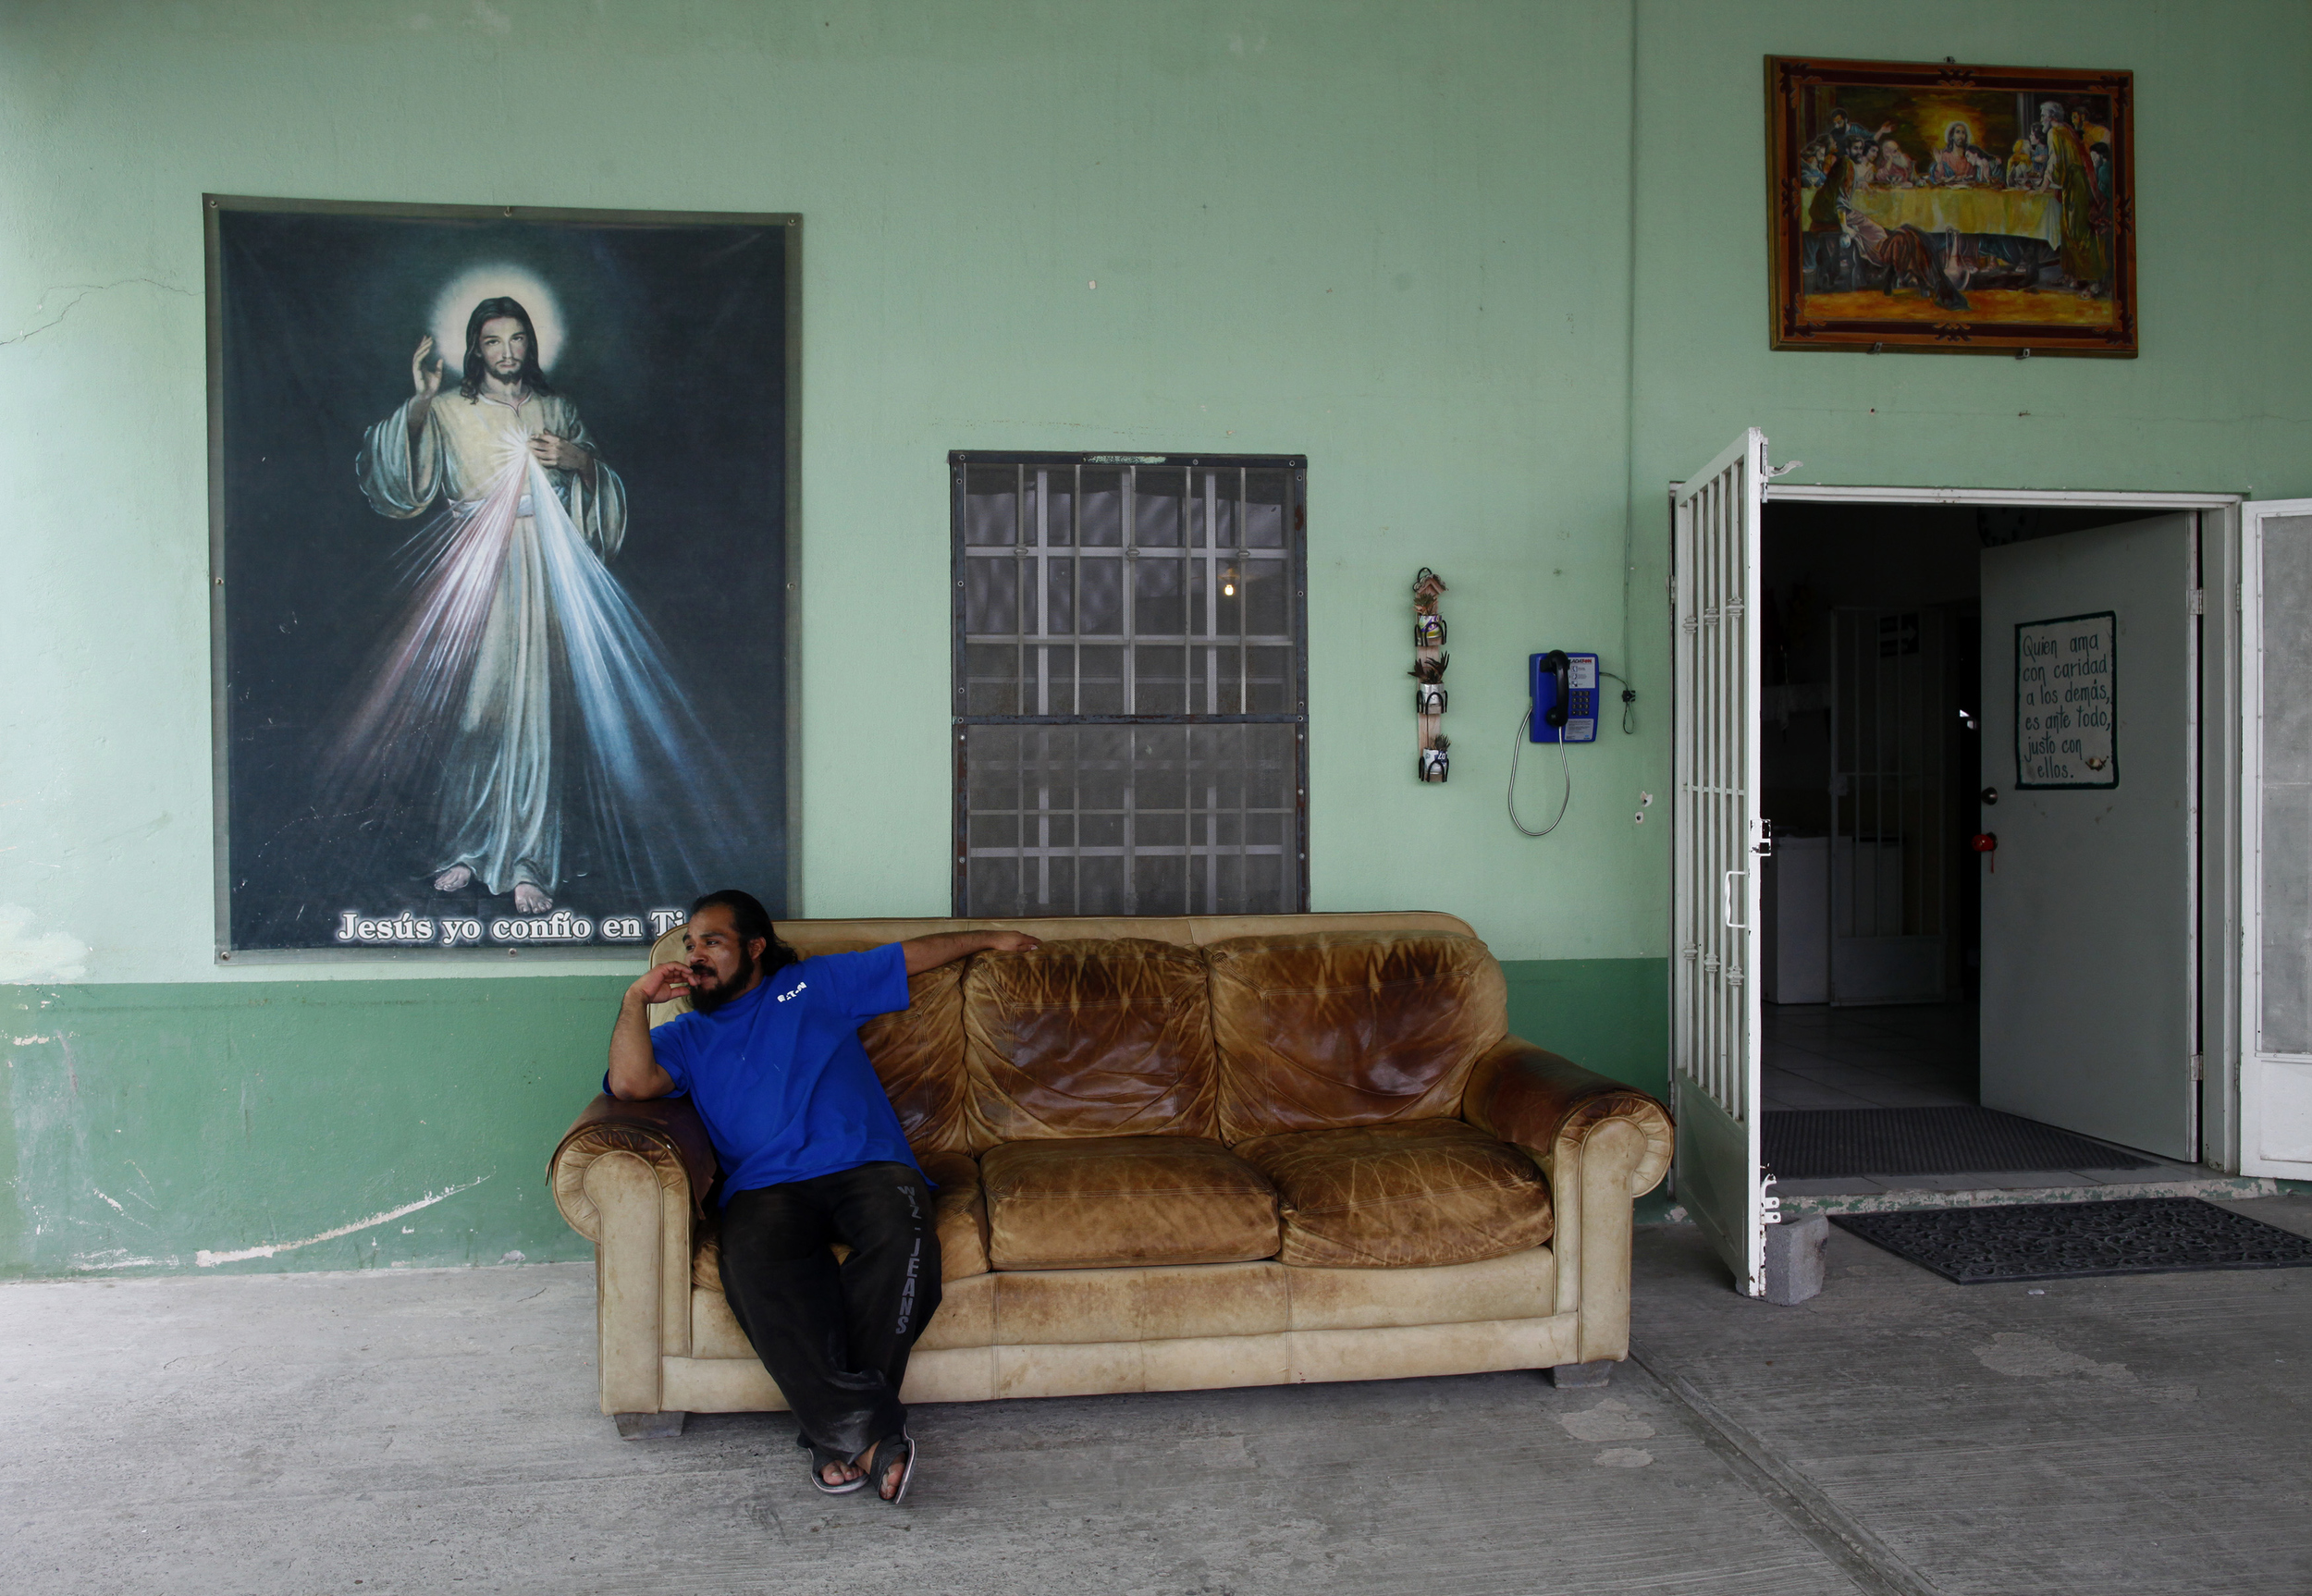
(1229, 590)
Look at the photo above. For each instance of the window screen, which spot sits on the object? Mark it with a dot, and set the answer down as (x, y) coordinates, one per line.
(2283, 861)
(1131, 685)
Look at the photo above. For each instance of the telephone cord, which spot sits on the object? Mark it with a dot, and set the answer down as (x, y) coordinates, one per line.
(1565, 763)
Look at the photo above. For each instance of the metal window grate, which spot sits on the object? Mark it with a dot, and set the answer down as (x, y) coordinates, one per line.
(1131, 685)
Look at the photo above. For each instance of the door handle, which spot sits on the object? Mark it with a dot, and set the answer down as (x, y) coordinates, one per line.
(1726, 901)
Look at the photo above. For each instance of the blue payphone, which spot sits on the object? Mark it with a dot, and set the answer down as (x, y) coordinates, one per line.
(1564, 696)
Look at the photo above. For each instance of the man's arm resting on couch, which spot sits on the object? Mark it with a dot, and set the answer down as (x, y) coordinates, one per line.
(946, 947)
(634, 1070)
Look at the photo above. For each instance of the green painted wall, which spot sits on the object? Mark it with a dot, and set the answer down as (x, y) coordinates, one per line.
(1496, 266)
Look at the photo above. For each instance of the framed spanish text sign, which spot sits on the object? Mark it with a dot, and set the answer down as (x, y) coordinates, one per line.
(2067, 701)
(1949, 207)
(502, 540)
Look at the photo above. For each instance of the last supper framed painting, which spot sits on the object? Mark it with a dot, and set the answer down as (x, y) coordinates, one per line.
(1940, 206)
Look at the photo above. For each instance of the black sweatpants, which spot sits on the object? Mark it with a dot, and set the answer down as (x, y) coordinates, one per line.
(836, 1339)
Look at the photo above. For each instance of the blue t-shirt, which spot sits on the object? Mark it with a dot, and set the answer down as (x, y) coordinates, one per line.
(779, 1074)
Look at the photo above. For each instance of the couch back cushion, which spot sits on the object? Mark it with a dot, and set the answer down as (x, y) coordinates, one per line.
(1349, 1029)
(1089, 1038)
(918, 1055)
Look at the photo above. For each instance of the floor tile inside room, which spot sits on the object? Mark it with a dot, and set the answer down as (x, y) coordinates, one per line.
(1925, 1056)
(1919, 1056)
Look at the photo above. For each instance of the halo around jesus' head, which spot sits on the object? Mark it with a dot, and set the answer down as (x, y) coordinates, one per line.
(470, 287)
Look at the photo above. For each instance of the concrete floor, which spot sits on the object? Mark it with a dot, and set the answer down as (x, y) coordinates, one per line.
(435, 1431)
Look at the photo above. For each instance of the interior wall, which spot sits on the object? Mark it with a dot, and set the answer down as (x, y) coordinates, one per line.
(1497, 268)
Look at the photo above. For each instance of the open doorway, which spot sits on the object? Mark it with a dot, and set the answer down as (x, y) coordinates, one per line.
(2106, 986)
(1897, 724)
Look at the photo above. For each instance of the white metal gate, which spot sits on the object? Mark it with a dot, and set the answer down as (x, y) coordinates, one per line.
(1717, 835)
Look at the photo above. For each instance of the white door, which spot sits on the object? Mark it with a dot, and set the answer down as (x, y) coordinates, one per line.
(2090, 741)
(2276, 839)
(1717, 838)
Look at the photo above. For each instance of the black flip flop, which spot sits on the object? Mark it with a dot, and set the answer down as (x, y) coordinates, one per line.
(820, 1459)
(906, 1473)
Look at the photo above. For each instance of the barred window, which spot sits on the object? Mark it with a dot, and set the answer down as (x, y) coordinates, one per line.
(1131, 684)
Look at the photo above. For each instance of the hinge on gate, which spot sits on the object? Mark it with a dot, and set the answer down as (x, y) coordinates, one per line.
(1762, 837)
(2197, 1064)
(2199, 601)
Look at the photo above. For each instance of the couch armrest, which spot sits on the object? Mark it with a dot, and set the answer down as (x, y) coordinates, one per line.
(665, 1133)
(1551, 1105)
(1601, 1143)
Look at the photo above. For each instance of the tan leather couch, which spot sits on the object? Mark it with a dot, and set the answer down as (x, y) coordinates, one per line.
(1175, 1154)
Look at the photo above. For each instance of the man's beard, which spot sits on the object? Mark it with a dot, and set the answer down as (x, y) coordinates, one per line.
(706, 999)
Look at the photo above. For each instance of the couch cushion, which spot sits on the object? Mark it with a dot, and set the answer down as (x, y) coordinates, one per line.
(1106, 1202)
(1349, 1029)
(959, 1216)
(1401, 1196)
(1089, 1038)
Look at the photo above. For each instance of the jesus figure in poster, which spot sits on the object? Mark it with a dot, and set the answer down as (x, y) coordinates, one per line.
(513, 581)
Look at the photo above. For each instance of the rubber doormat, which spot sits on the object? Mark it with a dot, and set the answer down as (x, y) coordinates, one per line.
(1814, 1144)
(2058, 1241)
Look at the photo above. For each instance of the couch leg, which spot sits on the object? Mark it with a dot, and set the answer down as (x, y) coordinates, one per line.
(1582, 1376)
(658, 1426)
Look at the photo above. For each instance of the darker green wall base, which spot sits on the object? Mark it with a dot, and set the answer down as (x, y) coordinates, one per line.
(184, 1127)
(1611, 1015)
(147, 1126)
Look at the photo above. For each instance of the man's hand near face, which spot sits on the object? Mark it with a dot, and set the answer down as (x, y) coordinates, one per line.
(635, 1073)
(664, 983)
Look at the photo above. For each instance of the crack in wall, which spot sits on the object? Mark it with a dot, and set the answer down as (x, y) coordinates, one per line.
(85, 290)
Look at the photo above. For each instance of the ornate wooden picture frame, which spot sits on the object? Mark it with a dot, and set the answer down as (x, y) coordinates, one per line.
(1977, 209)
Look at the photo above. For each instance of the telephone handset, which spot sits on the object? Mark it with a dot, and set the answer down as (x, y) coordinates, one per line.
(1561, 665)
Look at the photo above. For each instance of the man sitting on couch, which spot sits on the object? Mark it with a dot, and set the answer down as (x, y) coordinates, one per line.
(811, 1154)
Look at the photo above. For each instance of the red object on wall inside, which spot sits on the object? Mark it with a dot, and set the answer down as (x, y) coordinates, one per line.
(1987, 842)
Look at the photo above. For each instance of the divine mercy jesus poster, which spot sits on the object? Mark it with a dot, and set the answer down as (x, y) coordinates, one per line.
(503, 538)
